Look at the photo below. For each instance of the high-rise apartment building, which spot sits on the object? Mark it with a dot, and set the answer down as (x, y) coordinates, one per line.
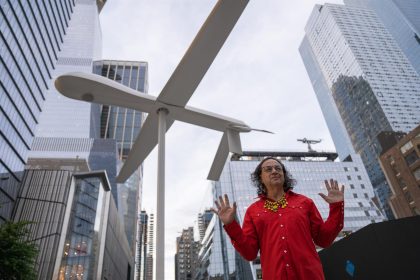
(401, 19)
(203, 222)
(401, 165)
(186, 257)
(123, 125)
(150, 263)
(363, 81)
(310, 169)
(141, 254)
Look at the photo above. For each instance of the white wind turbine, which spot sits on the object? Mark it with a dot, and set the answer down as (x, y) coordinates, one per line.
(169, 106)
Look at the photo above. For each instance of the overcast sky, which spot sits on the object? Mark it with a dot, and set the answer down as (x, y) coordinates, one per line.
(258, 77)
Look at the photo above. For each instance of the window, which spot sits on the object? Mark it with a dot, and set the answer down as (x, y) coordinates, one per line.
(407, 146)
(416, 174)
(351, 186)
(355, 195)
(356, 169)
(366, 195)
(362, 186)
(411, 158)
(408, 197)
(359, 177)
(348, 177)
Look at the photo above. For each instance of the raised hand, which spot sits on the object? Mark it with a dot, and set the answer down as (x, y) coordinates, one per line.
(334, 193)
(224, 211)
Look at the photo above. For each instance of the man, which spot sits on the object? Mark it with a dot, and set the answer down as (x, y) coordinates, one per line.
(283, 225)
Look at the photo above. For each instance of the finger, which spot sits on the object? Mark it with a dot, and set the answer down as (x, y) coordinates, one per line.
(342, 189)
(222, 202)
(323, 196)
(327, 185)
(217, 205)
(214, 211)
(227, 200)
(234, 207)
(332, 184)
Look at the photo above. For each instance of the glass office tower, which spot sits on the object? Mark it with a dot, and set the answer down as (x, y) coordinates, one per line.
(363, 82)
(401, 18)
(34, 37)
(310, 170)
(123, 125)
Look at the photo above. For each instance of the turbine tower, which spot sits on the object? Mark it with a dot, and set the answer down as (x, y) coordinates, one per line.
(169, 106)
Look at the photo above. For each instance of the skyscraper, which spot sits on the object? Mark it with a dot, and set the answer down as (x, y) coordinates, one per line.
(363, 81)
(123, 125)
(28, 55)
(310, 170)
(401, 19)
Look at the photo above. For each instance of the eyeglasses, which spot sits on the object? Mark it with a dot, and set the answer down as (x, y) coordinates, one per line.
(270, 168)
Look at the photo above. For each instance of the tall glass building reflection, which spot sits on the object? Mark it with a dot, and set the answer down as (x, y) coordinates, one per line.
(123, 125)
(218, 258)
(363, 81)
(401, 18)
(37, 38)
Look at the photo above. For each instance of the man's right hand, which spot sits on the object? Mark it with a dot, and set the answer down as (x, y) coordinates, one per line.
(224, 211)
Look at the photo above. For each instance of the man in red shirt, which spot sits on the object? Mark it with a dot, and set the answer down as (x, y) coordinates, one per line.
(283, 225)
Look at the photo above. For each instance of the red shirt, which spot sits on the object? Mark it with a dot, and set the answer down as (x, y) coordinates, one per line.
(286, 238)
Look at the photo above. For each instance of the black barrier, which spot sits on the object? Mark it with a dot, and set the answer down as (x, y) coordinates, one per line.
(386, 250)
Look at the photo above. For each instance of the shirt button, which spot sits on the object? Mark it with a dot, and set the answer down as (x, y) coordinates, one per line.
(285, 251)
(287, 265)
(281, 225)
(282, 237)
(280, 215)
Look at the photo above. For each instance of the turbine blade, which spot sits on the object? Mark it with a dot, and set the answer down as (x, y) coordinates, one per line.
(144, 144)
(262, 130)
(202, 51)
(220, 159)
(98, 89)
(203, 118)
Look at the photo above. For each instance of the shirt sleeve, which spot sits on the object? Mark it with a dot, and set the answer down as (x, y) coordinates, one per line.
(324, 233)
(245, 239)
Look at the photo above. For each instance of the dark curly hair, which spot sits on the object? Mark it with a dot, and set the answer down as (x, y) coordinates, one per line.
(289, 182)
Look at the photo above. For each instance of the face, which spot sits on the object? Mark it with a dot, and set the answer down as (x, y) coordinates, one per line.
(272, 175)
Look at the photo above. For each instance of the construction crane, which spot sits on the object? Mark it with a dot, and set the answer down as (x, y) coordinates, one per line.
(309, 142)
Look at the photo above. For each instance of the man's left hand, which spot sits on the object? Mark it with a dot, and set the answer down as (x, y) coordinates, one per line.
(334, 193)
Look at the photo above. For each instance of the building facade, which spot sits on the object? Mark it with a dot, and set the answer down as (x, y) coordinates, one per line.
(218, 255)
(123, 125)
(75, 223)
(400, 18)
(28, 54)
(186, 257)
(203, 222)
(363, 81)
(150, 263)
(142, 246)
(401, 165)
(39, 40)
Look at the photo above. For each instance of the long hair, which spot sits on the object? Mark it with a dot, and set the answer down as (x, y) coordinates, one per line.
(289, 182)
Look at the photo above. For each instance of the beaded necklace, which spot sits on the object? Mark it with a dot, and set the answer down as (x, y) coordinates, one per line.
(274, 205)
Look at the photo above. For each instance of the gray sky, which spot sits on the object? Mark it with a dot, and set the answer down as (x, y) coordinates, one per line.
(258, 77)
